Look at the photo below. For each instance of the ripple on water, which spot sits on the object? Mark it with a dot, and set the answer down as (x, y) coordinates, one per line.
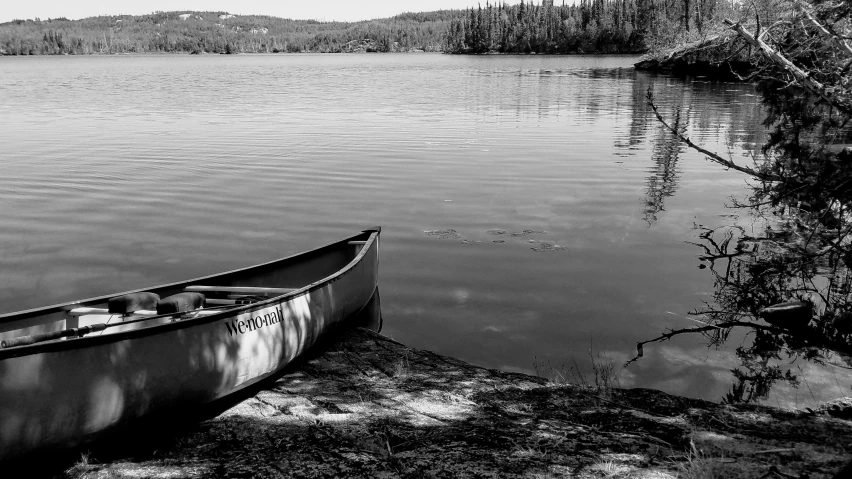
(545, 246)
(212, 177)
(443, 234)
(528, 232)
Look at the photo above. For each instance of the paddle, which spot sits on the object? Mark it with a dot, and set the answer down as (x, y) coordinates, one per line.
(41, 337)
(80, 332)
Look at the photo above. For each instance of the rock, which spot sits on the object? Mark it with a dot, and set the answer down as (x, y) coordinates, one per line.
(367, 406)
(839, 408)
(361, 46)
(790, 315)
(843, 322)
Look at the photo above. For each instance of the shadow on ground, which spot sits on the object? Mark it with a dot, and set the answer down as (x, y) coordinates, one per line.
(368, 406)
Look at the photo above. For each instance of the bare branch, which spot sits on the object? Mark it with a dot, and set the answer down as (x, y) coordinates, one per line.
(701, 329)
(711, 156)
(801, 77)
(838, 42)
(778, 23)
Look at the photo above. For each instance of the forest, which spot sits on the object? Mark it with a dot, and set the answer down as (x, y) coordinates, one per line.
(586, 26)
(220, 32)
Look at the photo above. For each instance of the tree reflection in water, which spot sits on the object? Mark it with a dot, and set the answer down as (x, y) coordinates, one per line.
(752, 273)
(797, 251)
(664, 176)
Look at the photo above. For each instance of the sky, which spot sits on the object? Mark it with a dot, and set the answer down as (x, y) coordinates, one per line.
(341, 10)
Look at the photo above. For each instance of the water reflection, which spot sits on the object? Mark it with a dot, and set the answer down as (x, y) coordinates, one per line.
(370, 317)
(194, 177)
(663, 181)
(781, 272)
(691, 112)
(780, 264)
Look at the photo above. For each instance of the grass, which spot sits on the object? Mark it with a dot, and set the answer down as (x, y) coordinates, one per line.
(402, 367)
(611, 469)
(81, 467)
(602, 379)
(700, 465)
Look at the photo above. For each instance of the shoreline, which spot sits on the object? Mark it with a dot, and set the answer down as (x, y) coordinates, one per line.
(365, 405)
(415, 52)
(679, 61)
(711, 57)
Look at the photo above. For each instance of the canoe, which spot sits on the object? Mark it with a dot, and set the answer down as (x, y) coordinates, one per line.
(116, 369)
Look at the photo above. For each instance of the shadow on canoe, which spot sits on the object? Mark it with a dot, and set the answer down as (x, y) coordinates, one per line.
(142, 439)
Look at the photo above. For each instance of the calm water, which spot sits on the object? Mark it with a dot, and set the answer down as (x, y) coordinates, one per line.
(125, 172)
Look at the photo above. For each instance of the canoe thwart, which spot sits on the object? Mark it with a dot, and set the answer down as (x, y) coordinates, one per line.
(357, 243)
(235, 302)
(129, 303)
(180, 303)
(84, 311)
(240, 289)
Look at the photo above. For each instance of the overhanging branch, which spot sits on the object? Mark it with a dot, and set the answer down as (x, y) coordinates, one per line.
(802, 78)
(710, 155)
(838, 42)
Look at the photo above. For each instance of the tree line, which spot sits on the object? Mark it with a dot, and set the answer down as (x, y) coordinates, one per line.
(219, 32)
(590, 26)
(587, 26)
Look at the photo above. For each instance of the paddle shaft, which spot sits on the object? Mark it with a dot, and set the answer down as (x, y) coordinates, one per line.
(79, 332)
(41, 337)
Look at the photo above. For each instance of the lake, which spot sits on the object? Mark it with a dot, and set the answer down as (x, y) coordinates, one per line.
(533, 208)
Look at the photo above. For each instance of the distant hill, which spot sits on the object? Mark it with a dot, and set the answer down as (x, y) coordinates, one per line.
(220, 32)
(587, 26)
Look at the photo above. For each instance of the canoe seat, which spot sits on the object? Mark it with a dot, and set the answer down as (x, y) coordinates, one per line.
(129, 303)
(180, 303)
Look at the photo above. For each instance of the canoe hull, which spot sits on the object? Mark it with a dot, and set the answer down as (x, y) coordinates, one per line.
(70, 396)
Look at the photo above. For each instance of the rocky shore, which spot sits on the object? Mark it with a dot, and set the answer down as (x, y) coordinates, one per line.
(713, 56)
(367, 406)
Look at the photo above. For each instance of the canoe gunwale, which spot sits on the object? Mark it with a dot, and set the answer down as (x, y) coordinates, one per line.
(88, 341)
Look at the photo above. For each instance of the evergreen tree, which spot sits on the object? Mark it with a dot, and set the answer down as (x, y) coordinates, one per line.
(589, 26)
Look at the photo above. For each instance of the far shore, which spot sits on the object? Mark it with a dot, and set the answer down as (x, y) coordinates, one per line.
(584, 54)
